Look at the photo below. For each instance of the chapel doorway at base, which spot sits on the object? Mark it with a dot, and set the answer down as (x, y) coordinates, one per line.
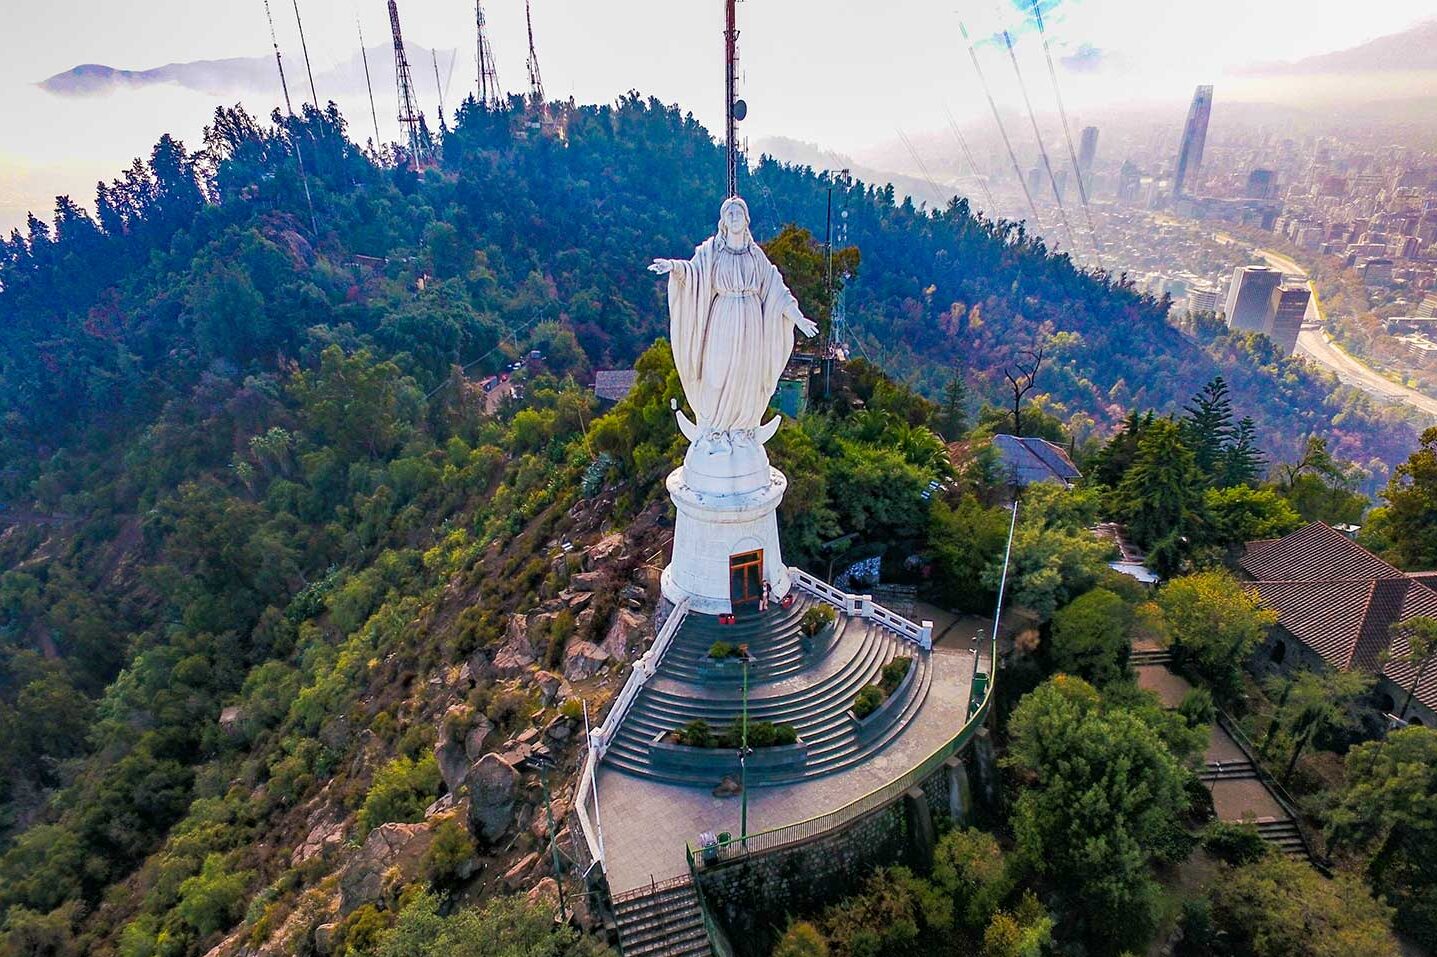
(745, 577)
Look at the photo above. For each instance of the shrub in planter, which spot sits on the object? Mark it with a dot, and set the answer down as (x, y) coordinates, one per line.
(816, 619)
(893, 674)
(868, 700)
(696, 734)
(721, 650)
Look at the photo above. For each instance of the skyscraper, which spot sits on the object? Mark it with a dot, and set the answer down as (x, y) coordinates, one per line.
(1087, 152)
(1251, 298)
(1291, 306)
(1194, 137)
(1262, 184)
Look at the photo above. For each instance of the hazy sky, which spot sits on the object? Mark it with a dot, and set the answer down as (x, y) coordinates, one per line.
(842, 73)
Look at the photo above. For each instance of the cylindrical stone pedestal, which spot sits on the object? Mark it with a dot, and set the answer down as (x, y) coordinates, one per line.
(712, 526)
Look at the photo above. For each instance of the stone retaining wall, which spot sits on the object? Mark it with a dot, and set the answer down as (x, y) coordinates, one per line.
(754, 897)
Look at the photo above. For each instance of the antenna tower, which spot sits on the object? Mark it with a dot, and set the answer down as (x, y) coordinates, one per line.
(536, 84)
(489, 95)
(289, 110)
(314, 97)
(733, 108)
(408, 111)
(438, 85)
(368, 85)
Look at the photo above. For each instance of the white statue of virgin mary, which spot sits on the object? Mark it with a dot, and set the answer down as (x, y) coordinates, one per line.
(731, 322)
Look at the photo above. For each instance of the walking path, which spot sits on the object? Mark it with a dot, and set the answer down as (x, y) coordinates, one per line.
(1238, 791)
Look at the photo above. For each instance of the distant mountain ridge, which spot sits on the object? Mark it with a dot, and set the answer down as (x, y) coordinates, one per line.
(233, 74)
(1412, 49)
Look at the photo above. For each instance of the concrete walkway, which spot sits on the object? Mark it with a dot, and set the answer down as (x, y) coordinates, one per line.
(647, 825)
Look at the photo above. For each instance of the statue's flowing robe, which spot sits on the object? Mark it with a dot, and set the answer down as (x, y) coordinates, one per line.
(731, 322)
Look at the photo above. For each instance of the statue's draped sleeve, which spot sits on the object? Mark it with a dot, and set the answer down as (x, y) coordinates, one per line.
(690, 293)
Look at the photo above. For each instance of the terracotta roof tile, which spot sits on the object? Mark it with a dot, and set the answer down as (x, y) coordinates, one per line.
(1311, 553)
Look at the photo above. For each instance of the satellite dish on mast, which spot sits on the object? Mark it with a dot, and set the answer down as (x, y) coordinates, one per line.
(740, 109)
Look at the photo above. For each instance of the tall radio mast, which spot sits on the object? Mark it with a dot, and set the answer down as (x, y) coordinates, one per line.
(536, 84)
(489, 95)
(408, 111)
(734, 108)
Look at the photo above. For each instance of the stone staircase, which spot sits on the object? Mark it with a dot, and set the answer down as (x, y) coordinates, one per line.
(663, 921)
(1228, 771)
(1151, 656)
(791, 682)
(1283, 834)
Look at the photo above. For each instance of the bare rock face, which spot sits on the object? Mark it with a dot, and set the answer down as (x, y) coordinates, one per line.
(493, 785)
(517, 654)
(540, 825)
(476, 736)
(453, 763)
(583, 659)
(552, 688)
(587, 581)
(545, 894)
(324, 938)
(232, 720)
(625, 640)
(391, 853)
(519, 875)
(607, 548)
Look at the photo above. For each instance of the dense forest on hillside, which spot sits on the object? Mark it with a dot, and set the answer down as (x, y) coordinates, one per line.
(244, 478)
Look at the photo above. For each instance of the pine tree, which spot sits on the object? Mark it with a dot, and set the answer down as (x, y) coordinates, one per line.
(1207, 428)
(1242, 461)
(953, 420)
(1161, 496)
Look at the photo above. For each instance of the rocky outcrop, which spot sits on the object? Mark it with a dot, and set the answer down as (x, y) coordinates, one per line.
(391, 855)
(583, 660)
(493, 784)
(625, 640)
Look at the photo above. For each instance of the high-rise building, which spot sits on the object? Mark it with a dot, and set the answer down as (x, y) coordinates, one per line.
(1261, 184)
(1290, 306)
(1202, 298)
(1194, 138)
(1130, 180)
(1428, 309)
(1087, 152)
(1251, 299)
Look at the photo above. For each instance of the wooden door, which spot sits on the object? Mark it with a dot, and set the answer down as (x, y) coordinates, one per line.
(745, 575)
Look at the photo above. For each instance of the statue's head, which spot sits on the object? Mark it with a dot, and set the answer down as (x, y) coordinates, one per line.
(733, 221)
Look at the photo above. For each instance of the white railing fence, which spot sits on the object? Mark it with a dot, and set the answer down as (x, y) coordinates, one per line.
(586, 800)
(863, 606)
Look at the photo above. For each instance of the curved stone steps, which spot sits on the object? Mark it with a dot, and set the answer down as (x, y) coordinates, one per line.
(819, 710)
(800, 708)
(774, 639)
(835, 755)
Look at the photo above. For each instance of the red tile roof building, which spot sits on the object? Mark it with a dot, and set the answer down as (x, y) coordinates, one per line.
(1340, 601)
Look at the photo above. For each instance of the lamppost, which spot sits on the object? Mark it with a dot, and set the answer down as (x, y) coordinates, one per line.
(743, 752)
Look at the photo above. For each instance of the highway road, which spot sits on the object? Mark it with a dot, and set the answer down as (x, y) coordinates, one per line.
(1315, 344)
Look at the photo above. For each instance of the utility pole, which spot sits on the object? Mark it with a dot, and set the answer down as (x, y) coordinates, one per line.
(289, 111)
(743, 752)
(314, 97)
(368, 85)
(734, 108)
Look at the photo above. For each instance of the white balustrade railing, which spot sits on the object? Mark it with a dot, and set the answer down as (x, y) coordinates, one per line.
(863, 606)
(601, 737)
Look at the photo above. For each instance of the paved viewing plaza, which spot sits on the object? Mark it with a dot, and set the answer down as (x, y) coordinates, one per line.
(646, 822)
